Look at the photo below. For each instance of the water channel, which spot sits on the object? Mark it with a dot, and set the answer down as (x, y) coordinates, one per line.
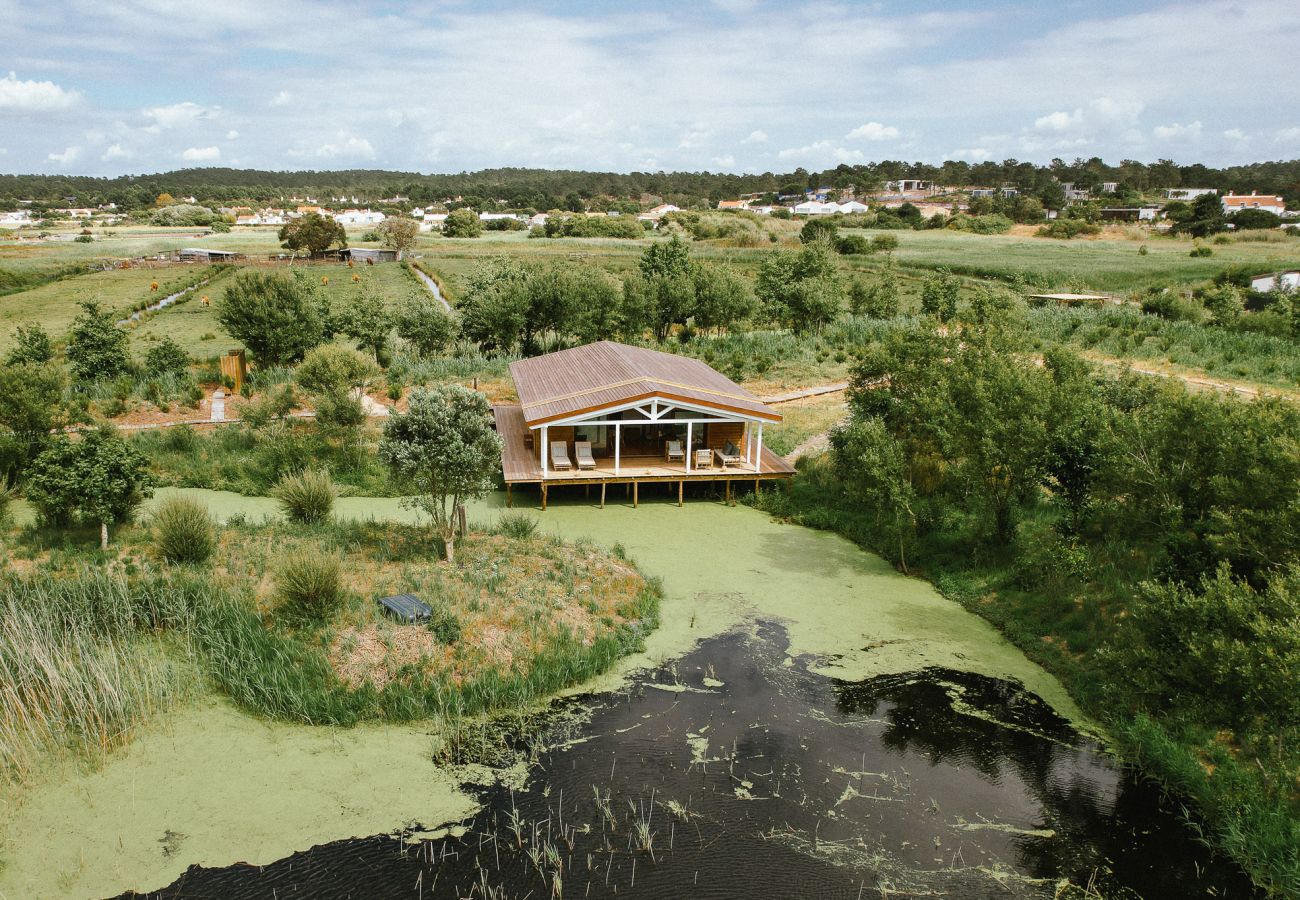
(806, 723)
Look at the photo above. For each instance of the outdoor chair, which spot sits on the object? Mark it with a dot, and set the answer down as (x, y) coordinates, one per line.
(674, 451)
(704, 459)
(582, 450)
(560, 456)
(729, 455)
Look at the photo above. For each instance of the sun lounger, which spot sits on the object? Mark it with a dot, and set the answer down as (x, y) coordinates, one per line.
(560, 456)
(704, 459)
(674, 450)
(582, 450)
(729, 455)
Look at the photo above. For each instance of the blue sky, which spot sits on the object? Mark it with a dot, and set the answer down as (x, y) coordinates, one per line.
(104, 88)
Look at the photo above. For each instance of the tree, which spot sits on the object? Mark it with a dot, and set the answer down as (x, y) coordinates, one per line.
(313, 232)
(398, 233)
(1204, 218)
(336, 378)
(1255, 218)
(100, 478)
(30, 345)
(97, 348)
(1224, 303)
(278, 317)
(723, 298)
(939, 295)
(31, 406)
(166, 358)
(462, 223)
(879, 300)
(801, 289)
(423, 323)
(445, 450)
(367, 320)
(870, 463)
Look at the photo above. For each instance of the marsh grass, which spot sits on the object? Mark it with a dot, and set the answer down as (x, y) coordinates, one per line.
(183, 531)
(306, 497)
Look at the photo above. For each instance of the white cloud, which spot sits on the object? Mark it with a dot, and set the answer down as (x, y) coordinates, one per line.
(1236, 134)
(1177, 132)
(115, 152)
(347, 148)
(67, 156)
(726, 161)
(178, 115)
(972, 154)
(34, 96)
(821, 152)
(873, 131)
(736, 7)
(232, 135)
(1287, 135)
(201, 154)
(284, 98)
(757, 136)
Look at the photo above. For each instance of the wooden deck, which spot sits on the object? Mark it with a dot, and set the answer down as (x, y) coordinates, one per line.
(520, 465)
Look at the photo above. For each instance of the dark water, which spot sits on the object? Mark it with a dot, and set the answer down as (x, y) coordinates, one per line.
(756, 778)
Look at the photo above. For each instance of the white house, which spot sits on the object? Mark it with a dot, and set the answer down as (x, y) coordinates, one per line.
(15, 219)
(430, 221)
(853, 206)
(1268, 202)
(359, 217)
(815, 208)
(1288, 281)
(1187, 194)
(654, 215)
(493, 217)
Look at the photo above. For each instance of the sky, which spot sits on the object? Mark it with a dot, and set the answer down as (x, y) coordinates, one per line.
(133, 86)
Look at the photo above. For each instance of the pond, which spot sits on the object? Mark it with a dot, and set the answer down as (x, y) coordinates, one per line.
(806, 722)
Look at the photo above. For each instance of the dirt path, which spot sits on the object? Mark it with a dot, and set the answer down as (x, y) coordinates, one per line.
(804, 393)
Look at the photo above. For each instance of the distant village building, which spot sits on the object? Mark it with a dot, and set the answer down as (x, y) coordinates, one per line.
(1267, 202)
(1187, 194)
(733, 204)
(359, 217)
(654, 215)
(1287, 281)
(15, 219)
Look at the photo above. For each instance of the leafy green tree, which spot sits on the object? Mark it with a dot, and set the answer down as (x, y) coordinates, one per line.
(30, 345)
(872, 466)
(668, 259)
(1224, 302)
(800, 288)
(424, 324)
(1078, 445)
(1204, 218)
(336, 378)
(99, 478)
(97, 348)
(398, 233)
(723, 299)
(939, 295)
(879, 299)
(445, 451)
(366, 320)
(31, 407)
(166, 357)
(462, 223)
(312, 232)
(278, 317)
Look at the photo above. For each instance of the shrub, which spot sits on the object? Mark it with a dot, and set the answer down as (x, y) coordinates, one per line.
(181, 439)
(306, 497)
(1068, 228)
(444, 625)
(851, 244)
(183, 531)
(818, 230)
(309, 586)
(278, 317)
(884, 243)
(462, 223)
(516, 525)
(166, 358)
(1200, 250)
(1171, 305)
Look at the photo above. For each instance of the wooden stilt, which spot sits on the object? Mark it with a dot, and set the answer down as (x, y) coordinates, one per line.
(543, 496)
(789, 486)
(756, 483)
(680, 485)
(586, 490)
(602, 495)
(728, 489)
(635, 494)
(510, 499)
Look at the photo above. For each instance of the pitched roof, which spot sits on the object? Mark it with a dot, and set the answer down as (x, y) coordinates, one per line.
(604, 374)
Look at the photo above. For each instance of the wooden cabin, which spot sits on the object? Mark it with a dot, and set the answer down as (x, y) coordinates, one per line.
(646, 416)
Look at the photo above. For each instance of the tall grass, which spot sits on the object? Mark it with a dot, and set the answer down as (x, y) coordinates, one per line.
(306, 497)
(184, 531)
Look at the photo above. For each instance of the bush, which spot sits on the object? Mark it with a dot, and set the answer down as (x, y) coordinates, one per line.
(1068, 228)
(1201, 250)
(516, 525)
(462, 223)
(444, 625)
(309, 586)
(181, 439)
(166, 358)
(183, 531)
(818, 230)
(84, 239)
(1171, 305)
(886, 243)
(278, 317)
(183, 214)
(851, 244)
(306, 497)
